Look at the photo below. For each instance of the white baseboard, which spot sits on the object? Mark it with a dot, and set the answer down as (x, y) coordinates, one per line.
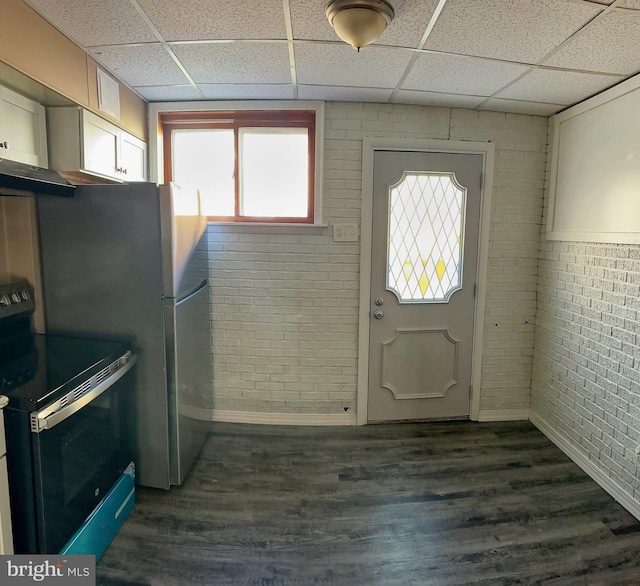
(316, 419)
(609, 485)
(504, 415)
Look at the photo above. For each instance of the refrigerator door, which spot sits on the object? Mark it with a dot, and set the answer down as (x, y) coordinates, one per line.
(182, 226)
(101, 261)
(189, 371)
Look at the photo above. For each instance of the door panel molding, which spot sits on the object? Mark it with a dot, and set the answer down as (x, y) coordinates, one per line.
(424, 368)
(369, 146)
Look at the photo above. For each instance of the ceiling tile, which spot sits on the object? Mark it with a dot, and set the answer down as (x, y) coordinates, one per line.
(340, 65)
(343, 94)
(140, 64)
(633, 4)
(460, 75)
(246, 91)
(409, 23)
(520, 107)
(513, 30)
(217, 19)
(436, 99)
(101, 22)
(411, 19)
(235, 62)
(168, 93)
(617, 36)
(557, 87)
(309, 22)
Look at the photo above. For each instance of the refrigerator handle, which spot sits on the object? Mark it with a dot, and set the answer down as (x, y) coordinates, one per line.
(193, 292)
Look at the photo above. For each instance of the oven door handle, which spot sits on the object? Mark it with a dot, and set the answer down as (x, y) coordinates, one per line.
(46, 419)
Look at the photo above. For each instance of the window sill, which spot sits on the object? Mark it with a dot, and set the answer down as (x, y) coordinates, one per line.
(268, 227)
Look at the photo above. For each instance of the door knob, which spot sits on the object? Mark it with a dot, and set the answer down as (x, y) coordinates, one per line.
(379, 301)
(378, 314)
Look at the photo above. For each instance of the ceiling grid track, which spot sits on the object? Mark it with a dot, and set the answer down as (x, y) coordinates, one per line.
(606, 9)
(484, 56)
(165, 46)
(423, 41)
(292, 57)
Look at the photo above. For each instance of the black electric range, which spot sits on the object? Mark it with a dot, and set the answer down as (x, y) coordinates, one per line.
(69, 424)
(50, 366)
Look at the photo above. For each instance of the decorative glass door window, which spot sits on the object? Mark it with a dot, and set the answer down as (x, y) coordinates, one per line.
(426, 225)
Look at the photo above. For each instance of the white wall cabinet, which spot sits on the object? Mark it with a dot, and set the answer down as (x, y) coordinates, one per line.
(595, 169)
(133, 157)
(23, 130)
(83, 144)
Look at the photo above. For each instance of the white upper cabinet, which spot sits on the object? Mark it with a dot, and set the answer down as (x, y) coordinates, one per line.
(84, 144)
(133, 157)
(23, 132)
(99, 146)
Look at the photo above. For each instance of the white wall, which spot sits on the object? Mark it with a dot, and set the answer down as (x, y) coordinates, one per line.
(586, 369)
(284, 301)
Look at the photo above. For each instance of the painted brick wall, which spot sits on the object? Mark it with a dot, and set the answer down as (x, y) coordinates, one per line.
(284, 304)
(586, 369)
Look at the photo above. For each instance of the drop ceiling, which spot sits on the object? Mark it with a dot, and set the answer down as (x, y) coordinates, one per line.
(533, 57)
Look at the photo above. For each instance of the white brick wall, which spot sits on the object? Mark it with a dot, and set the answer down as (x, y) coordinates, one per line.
(284, 311)
(586, 369)
(285, 303)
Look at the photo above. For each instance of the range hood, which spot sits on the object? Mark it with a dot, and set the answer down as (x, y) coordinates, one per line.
(20, 179)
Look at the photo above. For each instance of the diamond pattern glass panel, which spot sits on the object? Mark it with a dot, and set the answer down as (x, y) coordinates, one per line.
(426, 224)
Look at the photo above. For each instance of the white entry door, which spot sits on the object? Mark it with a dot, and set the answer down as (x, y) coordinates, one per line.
(426, 217)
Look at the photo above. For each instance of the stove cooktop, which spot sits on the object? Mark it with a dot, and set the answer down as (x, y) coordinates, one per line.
(51, 366)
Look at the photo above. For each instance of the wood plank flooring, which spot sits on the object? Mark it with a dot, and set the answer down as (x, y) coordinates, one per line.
(433, 504)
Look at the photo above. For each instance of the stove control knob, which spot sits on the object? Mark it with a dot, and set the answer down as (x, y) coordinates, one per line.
(15, 298)
(25, 294)
(4, 300)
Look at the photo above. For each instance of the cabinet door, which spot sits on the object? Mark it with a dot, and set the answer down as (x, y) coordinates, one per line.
(23, 129)
(100, 145)
(133, 158)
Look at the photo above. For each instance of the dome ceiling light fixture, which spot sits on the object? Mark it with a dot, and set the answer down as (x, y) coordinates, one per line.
(359, 22)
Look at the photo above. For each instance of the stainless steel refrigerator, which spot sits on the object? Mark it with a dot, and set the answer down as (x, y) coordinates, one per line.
(129, 262)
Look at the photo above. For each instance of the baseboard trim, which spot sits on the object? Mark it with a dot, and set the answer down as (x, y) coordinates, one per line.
(312, 419)
(504, 415)
(609, 485)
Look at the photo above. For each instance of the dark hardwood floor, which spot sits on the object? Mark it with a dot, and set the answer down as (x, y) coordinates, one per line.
(434, 503)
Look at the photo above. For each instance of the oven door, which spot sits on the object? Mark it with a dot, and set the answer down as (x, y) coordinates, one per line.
(78, 458)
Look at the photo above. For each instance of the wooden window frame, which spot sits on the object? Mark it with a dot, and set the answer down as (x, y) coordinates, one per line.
(235, 120)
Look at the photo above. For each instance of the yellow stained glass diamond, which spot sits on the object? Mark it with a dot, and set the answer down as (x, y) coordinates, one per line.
(407, 269)
(424, 283)
(440, 269)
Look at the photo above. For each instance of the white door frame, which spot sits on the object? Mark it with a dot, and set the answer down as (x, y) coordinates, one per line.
(369, 146)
